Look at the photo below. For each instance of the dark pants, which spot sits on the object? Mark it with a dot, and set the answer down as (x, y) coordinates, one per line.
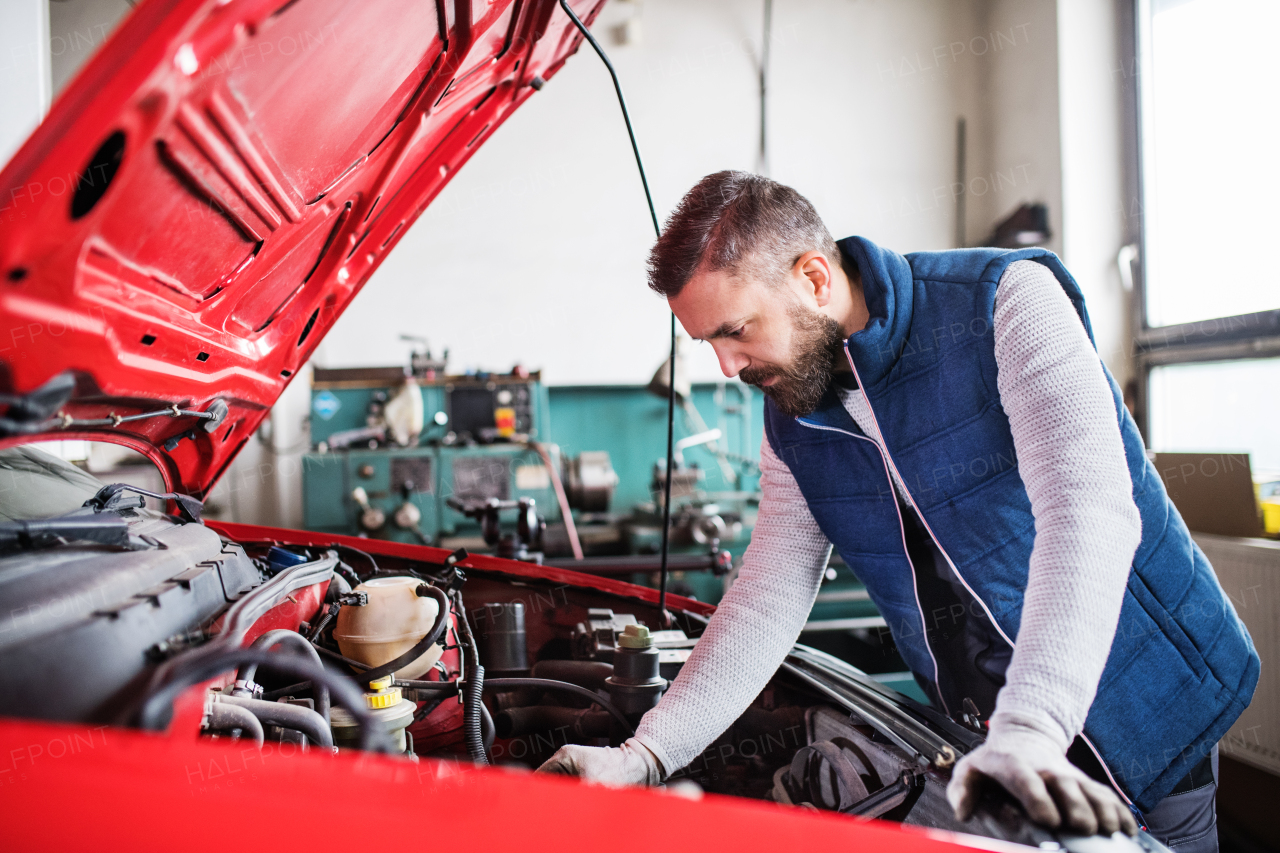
(1187, 819)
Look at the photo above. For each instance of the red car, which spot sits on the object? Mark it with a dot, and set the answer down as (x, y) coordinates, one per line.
(195, 213)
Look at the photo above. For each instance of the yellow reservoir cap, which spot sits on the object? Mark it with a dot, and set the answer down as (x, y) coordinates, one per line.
(384, 697)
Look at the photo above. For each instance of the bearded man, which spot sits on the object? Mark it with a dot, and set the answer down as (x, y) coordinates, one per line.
(943, 420)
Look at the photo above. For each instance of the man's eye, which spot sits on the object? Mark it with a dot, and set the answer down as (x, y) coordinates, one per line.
(737, 333)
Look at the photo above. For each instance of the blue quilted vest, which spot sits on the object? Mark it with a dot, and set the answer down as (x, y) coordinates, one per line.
(1182, 666)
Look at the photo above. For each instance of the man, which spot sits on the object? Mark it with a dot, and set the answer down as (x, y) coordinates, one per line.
(943, 420)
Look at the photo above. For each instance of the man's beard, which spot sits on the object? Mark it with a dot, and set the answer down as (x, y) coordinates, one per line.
(818, 339)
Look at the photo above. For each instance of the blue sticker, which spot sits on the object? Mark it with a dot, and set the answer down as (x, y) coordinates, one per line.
(325, 405)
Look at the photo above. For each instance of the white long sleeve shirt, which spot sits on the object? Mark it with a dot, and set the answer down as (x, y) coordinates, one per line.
(1072, 463)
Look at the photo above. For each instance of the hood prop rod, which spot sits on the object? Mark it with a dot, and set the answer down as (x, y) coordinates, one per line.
(671, 378)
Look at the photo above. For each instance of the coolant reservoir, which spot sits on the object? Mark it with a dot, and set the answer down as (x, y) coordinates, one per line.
(395, 618)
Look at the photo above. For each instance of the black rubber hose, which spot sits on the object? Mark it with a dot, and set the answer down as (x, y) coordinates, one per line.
(225, 717)
(473, 688)
(563, 687)
(156, 706)
(291, 690)
(472, 722)
(582, 722)
(283, 714)
(337, 658)
(323, 622)
(487, 731)
(285, 637)
(426, 709)
(584, 673)
(432, 637)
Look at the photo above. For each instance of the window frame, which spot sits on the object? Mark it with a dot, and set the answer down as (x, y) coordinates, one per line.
(1237, 337)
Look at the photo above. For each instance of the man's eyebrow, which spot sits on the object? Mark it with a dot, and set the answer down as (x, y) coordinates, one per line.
(723, 331)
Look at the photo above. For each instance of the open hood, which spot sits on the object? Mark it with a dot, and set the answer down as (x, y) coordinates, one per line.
(213, 189)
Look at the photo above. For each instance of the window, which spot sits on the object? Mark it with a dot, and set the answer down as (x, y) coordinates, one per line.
(1209, 292)
(1219, 407)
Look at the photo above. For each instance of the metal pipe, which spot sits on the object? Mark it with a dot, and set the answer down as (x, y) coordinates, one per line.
(565, 510)
(644, 563)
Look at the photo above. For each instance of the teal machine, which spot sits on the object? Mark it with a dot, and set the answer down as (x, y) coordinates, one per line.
(410, 453)
(608, 444)
(392, 446)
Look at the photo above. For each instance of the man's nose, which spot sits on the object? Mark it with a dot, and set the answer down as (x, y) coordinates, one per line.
(731, 363)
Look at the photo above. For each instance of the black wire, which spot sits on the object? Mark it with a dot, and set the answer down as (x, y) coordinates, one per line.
(764, 85)
(622, 102)
(367, 557)
(671, 379)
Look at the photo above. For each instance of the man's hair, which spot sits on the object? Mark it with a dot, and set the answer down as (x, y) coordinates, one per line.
(740, 222)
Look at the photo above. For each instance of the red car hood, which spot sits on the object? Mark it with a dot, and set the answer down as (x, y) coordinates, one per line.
(214, 188)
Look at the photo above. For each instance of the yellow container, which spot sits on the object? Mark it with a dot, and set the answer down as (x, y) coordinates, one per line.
(1271, 516)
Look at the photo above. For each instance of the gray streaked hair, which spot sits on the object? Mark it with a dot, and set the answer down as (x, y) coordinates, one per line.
(740, 222)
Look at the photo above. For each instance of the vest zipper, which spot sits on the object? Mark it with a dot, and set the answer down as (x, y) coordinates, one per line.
(903, 531)
(889, 460)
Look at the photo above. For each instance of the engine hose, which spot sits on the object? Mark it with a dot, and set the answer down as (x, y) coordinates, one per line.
(296, 717)
(285, 637)
(473, 688)
(472, 724)
(225, 717)
(155, 708)
(563, 687)
(431, 638)
(488, 730)
(591, 674)
(323, 622)
(426, 709)
(347, 573)
(533, 719)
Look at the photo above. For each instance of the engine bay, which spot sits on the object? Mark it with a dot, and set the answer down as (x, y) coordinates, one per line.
(117, 614)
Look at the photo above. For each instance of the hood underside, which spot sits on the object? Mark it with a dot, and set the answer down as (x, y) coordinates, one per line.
(213, 189)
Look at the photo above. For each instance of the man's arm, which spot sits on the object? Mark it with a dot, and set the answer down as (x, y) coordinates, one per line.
(754, 627)
(1071, 459)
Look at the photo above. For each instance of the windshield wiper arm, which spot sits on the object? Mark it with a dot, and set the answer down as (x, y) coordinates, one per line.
(112, 498)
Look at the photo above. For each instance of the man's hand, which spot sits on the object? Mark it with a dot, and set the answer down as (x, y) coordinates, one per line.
(1031, 767)
(630, 764)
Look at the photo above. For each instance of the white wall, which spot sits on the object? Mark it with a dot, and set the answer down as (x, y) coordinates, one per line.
(1093, 154)
(535, 252)
(1016, 157)
(24, 71)
(77, 28)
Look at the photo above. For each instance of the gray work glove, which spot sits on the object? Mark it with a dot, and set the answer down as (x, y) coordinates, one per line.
(1032, 767)
(630, 764)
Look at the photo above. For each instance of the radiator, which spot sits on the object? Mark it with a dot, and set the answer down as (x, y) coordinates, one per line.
(1249, 570)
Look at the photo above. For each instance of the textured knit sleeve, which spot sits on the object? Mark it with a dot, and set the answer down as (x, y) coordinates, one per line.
(752, 630)
(1071, 459)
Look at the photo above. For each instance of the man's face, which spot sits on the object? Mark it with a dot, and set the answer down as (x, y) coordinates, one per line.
(768, 336)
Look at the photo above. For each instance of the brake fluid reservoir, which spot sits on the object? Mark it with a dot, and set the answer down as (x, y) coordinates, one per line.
(388, 707)
(395, 618)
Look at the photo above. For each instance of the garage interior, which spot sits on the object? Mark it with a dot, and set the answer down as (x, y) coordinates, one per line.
(501, 384)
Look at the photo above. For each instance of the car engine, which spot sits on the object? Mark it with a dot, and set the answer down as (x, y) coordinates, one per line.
(118, 614)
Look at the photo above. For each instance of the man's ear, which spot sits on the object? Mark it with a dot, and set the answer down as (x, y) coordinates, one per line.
(815, 270)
